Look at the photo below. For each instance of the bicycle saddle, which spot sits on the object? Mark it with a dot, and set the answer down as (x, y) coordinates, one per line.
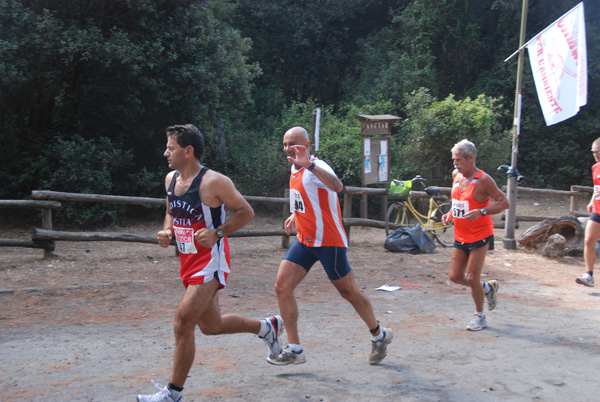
(433, 191)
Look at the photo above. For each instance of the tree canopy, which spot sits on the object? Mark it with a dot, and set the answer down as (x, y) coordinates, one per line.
(87, 88)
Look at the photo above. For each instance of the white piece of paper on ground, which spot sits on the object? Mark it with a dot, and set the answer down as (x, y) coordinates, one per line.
(388, 288)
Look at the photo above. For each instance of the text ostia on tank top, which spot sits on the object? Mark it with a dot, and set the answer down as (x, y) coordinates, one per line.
(180, 204)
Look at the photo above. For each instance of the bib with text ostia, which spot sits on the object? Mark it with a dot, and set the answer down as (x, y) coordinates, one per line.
(296, 202)
(460, 208)
(185, 240)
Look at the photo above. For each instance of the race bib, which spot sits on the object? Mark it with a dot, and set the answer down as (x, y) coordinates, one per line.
(185, 240)
(597, 192)
(296, 202)
(460, 208)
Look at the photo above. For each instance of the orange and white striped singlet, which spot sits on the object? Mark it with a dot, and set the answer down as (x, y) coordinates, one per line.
(317, 209)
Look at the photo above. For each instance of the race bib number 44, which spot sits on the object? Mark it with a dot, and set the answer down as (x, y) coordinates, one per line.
(296, 202)
(185, 240)
(460, 208)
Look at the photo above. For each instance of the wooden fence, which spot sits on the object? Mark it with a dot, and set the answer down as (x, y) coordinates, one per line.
(48, 200)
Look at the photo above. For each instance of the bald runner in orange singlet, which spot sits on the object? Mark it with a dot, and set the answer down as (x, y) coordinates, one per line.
(315, 210)
(471, 211)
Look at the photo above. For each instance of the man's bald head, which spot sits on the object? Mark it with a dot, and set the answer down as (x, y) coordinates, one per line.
(298, 132)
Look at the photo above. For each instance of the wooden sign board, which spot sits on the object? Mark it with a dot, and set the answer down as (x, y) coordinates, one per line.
(375, 160)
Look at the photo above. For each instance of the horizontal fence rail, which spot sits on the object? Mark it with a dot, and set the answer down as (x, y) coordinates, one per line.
(43, 238)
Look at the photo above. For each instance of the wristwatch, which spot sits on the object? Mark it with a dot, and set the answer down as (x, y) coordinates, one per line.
(483, 212)
(220, 233)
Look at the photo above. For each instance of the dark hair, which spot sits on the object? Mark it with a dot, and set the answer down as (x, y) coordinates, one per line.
(186, 135)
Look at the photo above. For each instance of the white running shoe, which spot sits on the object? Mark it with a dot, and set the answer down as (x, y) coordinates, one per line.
(586, 280)
(164, 394)
(273, 338)
(379, 348)
(491, 297)
(288, 356)
(477, 323)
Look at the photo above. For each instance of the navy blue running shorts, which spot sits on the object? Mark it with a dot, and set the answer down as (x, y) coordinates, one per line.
(467, 247)
(333, 259)
(595, 217)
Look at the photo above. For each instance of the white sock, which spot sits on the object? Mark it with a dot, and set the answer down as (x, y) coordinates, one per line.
(294, 347)
(174, 394)
(378, 337)
(486, 287)
(264, 329)
(480, 314)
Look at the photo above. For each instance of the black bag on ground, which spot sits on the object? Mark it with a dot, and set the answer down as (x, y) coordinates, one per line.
(411, 239)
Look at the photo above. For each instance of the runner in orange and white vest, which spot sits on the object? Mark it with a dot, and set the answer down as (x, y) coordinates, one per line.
(315, 210)
(473, 227)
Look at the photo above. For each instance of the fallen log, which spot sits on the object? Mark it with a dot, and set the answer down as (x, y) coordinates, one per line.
(568, 226)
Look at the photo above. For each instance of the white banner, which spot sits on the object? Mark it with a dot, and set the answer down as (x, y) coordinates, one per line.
(559, 64)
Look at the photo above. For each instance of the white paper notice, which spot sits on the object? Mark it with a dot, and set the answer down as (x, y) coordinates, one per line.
(383, 168)
(383, 146)
(388, 288)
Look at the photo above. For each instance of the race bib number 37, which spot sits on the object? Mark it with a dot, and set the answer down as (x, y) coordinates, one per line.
(185, 240)
(296, 202)
(460, 208)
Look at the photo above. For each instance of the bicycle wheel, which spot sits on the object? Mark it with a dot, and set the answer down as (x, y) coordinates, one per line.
(397, 215)
(444, 234)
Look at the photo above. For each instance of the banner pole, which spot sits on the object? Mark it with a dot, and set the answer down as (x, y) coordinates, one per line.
(509, 241)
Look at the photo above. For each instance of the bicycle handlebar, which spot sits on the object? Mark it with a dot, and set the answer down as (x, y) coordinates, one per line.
(416, 179)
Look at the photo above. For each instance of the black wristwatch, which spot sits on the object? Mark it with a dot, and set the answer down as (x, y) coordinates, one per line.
(483, 212)
(220, 233)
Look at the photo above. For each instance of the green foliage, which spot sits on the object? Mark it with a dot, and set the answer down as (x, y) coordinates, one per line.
(433, 127)
(123, 70)
(245, 71)
(86, 167)
(306, 47)
(339, 146)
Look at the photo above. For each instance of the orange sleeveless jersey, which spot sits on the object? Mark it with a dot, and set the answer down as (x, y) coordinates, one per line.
(463, 202)
(317, 209)
(596, 181)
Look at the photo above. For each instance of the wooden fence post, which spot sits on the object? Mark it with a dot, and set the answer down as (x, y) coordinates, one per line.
(363, 206)
(47, 224)
(285, 239)
(347, 212)
(384, 206)
(581, 191)
(574, 201)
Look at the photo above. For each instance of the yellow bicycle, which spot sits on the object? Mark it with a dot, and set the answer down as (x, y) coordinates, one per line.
(403, 213)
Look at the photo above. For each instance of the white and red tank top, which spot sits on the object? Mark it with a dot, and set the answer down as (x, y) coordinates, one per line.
(189, 215)
(317, 209)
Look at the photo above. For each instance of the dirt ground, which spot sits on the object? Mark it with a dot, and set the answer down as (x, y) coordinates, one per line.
(94, 323)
